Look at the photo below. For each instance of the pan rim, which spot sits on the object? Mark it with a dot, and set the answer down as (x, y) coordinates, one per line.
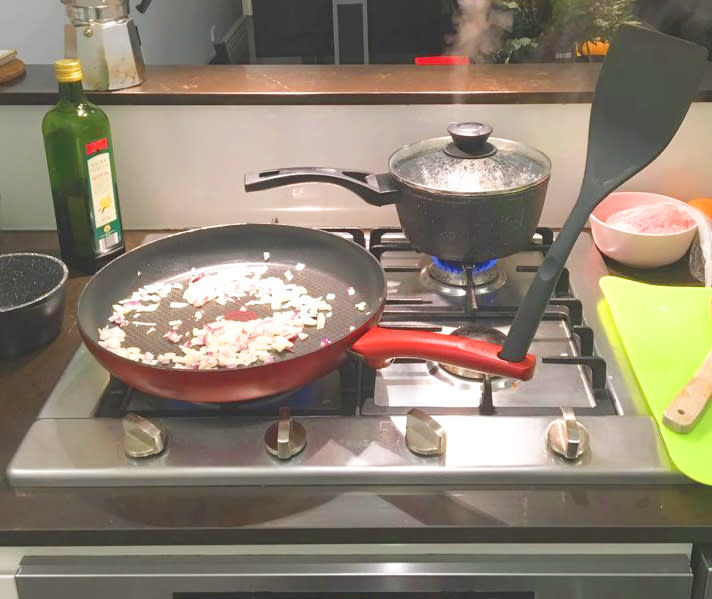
(360, 329)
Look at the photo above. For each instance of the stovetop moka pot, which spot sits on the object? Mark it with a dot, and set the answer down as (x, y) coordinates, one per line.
(103, 36)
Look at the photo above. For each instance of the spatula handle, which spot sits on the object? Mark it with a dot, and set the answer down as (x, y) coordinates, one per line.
(531, 310)
(685, 410)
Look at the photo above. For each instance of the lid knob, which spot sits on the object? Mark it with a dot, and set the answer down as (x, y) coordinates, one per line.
(470, 137)
(469, 140)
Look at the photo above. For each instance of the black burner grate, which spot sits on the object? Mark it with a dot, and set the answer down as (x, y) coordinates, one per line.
(563, 305)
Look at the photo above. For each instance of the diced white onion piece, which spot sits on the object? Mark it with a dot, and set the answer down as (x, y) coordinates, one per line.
(267, 256)
(330, 296)
(118, 319)
(350, 291)
(111, 337)
(173, 336)
(225, 343)
(147, 308)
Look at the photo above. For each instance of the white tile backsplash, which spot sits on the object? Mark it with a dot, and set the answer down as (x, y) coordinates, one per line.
(182, 166)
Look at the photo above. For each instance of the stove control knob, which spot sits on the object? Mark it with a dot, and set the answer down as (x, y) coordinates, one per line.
(286, 437)
(424, 435)
(566, 436)
(142, 438)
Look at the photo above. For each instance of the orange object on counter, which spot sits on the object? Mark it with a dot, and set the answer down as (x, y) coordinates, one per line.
(595, 48)
(704, 205)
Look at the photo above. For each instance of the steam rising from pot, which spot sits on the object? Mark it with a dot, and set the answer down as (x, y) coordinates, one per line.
(479, 27)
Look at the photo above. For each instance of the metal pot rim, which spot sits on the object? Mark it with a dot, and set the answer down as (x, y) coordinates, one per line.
(45, 296)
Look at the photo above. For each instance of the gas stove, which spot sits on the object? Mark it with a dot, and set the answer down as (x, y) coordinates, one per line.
(580, 420)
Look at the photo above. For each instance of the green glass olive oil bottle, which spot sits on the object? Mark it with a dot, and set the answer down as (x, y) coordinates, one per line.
(82, 175)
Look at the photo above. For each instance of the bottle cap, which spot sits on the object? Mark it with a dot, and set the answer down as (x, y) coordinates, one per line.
(67, 70)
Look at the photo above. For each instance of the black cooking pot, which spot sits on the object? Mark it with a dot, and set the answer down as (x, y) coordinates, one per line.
(32, 290)
(465, 198)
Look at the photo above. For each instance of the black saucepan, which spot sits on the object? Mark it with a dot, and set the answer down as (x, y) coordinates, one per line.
(32, 290)
(466, 199)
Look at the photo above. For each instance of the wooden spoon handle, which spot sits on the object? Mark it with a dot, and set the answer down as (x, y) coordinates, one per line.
(685, 410)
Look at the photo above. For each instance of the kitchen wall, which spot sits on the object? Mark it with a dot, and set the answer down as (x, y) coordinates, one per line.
(182, 166)
(172, 31)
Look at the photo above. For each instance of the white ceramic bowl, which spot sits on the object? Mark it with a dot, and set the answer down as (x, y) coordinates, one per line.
(641, 250)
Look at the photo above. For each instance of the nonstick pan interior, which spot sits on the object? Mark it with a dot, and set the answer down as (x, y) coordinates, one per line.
(332, 265)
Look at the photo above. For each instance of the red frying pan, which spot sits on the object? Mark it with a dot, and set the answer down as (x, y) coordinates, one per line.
(332, 265)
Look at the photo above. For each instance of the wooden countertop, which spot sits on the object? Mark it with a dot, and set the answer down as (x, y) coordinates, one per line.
(343, 84)
(298, 515)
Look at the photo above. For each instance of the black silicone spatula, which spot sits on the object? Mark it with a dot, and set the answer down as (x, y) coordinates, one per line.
(645, 88)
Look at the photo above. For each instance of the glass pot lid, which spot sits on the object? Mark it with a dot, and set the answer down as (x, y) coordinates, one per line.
(469, 162)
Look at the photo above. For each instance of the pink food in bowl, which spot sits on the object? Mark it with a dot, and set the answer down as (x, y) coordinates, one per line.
(630, 243)
(656, 219)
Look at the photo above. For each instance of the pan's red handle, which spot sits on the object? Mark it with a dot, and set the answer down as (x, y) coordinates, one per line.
(379, 345)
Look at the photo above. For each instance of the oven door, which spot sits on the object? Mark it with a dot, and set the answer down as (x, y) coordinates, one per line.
(532, 576)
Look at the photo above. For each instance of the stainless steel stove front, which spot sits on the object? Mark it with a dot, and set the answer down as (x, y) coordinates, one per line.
(68, 446)
(521, 573)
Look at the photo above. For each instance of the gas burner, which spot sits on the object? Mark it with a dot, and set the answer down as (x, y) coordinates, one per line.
(450, 278)
(321, 396)
(479, 333)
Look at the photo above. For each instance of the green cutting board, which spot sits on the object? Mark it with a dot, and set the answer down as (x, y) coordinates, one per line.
(667, 332)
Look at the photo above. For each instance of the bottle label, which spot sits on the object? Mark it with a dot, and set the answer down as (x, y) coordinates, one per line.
(105, 216)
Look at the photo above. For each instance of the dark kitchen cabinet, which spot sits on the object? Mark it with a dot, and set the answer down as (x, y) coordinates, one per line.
(289, 28)
(400, 30)
(688, 19)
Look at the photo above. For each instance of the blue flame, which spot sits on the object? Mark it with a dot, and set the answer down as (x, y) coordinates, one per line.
(456, 267)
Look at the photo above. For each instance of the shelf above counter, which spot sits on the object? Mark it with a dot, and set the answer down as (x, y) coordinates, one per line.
(550, 83)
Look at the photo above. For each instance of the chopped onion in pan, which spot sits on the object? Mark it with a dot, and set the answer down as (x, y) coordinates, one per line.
(225, 342)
